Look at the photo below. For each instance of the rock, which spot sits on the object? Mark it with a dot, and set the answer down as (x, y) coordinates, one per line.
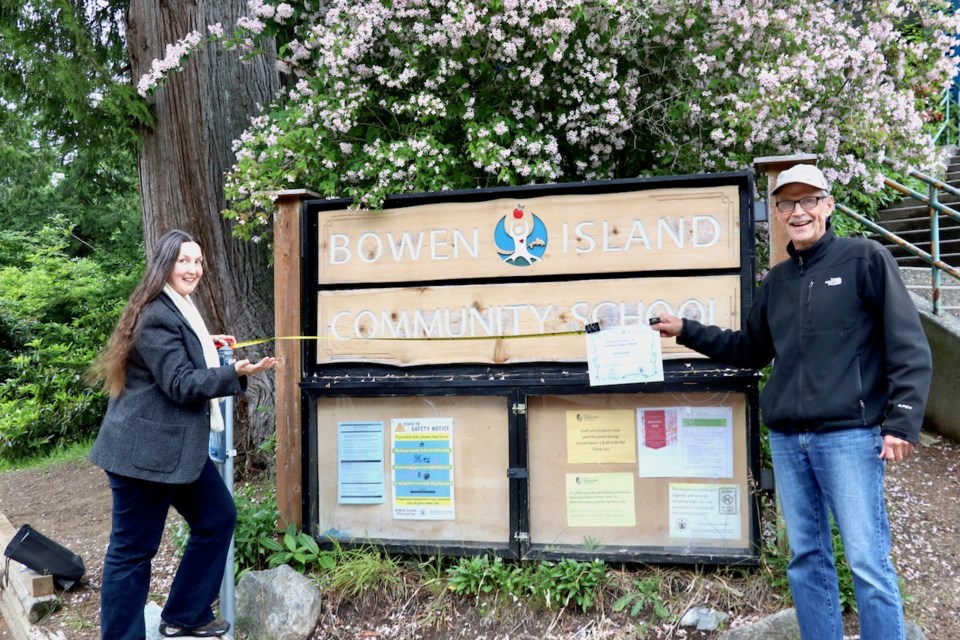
(280, 604)
(782, 625)
(151, 615)
(703, 618)
(914, 632)
(929, 439)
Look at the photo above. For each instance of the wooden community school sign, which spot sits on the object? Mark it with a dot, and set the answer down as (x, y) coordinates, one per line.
(523, 262)
(443, 402)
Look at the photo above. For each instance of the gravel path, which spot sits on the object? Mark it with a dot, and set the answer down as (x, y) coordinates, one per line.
(923, 498)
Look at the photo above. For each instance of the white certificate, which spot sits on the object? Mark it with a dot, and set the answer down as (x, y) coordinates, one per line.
(624, 355)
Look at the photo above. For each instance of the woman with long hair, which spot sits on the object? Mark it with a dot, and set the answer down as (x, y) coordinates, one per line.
(163, 375)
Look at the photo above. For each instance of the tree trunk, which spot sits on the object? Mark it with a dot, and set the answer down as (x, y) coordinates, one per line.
(200, 111)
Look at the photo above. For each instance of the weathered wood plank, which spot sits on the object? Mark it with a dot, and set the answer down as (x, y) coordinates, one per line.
(348, 318)
(286, 274)
(653, 230)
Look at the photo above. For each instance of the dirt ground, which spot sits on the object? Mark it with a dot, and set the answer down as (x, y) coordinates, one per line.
(70, 503)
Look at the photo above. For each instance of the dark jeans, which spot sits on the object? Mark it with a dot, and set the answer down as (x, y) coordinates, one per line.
(139, 514)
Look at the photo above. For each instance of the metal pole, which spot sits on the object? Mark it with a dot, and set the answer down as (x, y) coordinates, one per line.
(935, 251)
(227, 601)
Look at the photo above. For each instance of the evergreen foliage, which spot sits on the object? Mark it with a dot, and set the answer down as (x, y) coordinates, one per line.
(70, 122)
(56, 312)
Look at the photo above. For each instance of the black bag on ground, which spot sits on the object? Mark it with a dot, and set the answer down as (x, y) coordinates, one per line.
(38, 552)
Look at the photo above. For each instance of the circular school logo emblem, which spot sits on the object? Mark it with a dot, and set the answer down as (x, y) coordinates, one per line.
(521, 238)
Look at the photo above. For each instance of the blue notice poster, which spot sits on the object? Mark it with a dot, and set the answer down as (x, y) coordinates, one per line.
(422, 450)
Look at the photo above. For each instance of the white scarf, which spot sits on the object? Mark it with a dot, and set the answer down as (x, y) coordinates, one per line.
(210, 356)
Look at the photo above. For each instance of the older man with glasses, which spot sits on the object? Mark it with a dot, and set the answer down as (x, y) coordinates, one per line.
(851, 373)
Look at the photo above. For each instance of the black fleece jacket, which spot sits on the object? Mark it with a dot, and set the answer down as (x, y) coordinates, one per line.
(844, 336)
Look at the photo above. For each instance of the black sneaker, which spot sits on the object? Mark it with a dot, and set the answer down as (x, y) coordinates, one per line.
(213, 629)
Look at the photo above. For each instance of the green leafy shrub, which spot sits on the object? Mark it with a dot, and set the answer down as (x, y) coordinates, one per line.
(44, 404)
(646, 595)
(56, 313)
(14, 333)
(775, 556)
(549, 584)
(254, 537)
(569, 581)
(385, 98)
(299, 550)
(481, 575)
(257, 518)
(848, 597)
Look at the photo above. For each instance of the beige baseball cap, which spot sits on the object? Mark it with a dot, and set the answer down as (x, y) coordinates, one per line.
(804, 174)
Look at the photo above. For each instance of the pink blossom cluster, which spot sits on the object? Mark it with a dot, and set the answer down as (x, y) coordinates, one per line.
(175, 55)
(842, 80)
(441, 94)
(422, 95)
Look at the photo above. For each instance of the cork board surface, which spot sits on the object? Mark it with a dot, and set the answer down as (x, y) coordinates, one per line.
(480, 460)
(550, 464)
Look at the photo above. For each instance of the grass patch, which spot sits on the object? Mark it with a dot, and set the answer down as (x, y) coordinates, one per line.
(364, 570)
(59, 455)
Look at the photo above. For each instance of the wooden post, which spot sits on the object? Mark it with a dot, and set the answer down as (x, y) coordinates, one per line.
(286, 284)
(772, 166)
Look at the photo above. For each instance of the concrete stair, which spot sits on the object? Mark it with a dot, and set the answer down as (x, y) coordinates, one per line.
(910, 219)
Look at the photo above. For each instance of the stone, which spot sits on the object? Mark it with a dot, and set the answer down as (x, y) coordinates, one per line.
(782, 625)
(914, 632)
(279, 604)
(703, 618)
(151, 616)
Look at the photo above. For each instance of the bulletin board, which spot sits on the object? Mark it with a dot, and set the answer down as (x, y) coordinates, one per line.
(479, 446)
(461, 316)
(592, 447)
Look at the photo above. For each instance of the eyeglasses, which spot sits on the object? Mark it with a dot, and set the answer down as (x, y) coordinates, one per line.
(808, 203)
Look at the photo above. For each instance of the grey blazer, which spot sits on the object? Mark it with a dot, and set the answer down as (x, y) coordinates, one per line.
(158, 428)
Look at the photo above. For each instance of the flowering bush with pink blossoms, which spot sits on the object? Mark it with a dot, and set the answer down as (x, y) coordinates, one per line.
(390, 96)
(851, 81)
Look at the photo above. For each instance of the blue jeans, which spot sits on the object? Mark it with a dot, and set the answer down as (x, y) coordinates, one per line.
(839, 471)
(139, 514)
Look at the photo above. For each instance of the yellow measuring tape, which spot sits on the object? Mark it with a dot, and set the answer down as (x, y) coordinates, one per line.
(250, 343)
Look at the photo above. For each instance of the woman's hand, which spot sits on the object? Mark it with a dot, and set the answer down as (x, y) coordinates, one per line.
(221, 340)
(247, 368)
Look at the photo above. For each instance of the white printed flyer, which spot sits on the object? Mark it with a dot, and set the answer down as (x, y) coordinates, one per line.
(685, 442)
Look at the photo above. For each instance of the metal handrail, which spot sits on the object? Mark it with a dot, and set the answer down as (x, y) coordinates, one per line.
(897, 240)
(950, 107)
(935, 208)
(950, 129)
(224, 457)
(926, 199)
